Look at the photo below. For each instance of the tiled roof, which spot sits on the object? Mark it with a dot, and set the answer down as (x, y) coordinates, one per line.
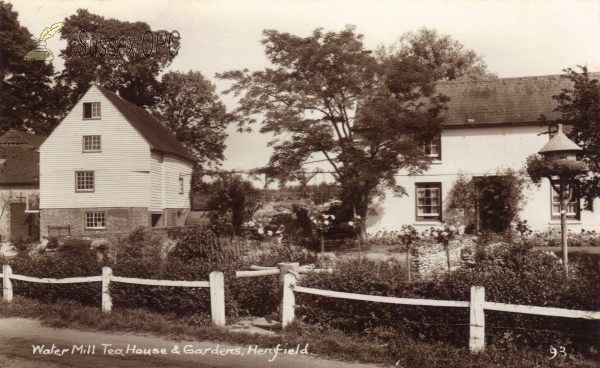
(157, 135)
(19, 165)
(15, 137)
(504, 101)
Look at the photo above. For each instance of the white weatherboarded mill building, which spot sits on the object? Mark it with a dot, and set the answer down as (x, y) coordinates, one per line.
(111, 167)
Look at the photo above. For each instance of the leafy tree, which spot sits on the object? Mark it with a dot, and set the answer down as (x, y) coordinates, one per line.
(232, 201)
(134, 75)
(190, 108)
(25, 99)
(309, 97)
(435, 56)
(580, 107)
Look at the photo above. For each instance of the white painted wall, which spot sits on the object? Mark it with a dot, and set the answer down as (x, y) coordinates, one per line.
(121, 169)
(174, 168)
(478, 151)
(156, 180)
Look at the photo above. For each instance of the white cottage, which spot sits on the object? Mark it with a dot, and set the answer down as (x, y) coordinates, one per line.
(489, 125)
(109, 167)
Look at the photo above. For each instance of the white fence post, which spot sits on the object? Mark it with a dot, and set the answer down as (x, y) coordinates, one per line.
(7, 292)
(287, 312)
(217, 297)
(106, 302)
(284, 269)
(477, 319)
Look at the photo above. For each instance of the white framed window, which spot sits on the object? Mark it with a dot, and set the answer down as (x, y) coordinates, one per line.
(84, 181)
(429, 201)
(91, 110)
(91, 143)
(33, 203)
(95, 220)
(572, 207)
(433, 148)
(180, 184)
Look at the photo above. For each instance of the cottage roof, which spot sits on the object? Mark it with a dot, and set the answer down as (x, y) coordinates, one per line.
(156, 134)
(560, 142)
(14, 137)
(503, 101)
(19, 165)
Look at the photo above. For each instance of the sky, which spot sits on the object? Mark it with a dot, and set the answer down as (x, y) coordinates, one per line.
(516, 38)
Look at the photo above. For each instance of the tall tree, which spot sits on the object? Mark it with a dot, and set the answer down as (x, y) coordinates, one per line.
(25, 101)
(308, 100)
(580, 107)
(436, 56)
(190, 108)
(95, 53)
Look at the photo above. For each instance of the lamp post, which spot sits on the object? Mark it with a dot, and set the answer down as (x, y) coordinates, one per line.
(560, 166)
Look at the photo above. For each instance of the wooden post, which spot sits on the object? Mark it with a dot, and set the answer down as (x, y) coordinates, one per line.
(7, 292)
(217, 297)
(106, 301)
(477, 319)
(284, 268)
(287, 309)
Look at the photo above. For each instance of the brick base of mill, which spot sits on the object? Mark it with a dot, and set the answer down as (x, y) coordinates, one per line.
(72, 221)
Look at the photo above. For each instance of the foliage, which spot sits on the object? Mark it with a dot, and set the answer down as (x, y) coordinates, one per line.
(435, 56)
(511, 273)
(134, 75)
(188, 105)
(73, 259)
(498, 197)
(232, 202)
(308, 101)
(580, 106)
(25, 93)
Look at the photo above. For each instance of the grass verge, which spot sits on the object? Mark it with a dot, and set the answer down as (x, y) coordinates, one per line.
(379, 346)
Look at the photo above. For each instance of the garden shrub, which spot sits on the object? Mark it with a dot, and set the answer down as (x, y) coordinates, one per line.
(511, 273)
(73, 259)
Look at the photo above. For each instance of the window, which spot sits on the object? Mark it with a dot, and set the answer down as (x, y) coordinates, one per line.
(95, 220)
(91, 143)
(181, 185)
(91, 110)
(429, 199)
(433, 148)
(572, 207)
(84, 181)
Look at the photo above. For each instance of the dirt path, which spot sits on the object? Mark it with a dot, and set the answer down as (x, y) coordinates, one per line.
(19, 336)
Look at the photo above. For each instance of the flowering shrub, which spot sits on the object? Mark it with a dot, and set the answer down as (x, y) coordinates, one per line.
(263, 230)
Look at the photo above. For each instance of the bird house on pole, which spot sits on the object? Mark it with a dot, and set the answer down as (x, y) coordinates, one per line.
(560, 147)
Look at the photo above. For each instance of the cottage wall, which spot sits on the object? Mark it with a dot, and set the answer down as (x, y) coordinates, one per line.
(476, 152)
(10, 194)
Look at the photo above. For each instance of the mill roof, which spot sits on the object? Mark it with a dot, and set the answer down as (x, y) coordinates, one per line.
(19, 165)
(156, 134)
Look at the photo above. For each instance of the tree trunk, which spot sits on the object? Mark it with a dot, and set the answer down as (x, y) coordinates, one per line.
(322, 243)
(564, 203)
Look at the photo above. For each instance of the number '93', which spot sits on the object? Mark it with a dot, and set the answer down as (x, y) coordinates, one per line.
(562, 351)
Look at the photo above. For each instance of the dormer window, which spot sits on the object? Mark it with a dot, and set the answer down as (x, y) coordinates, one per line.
(91, 110)
(433, 148)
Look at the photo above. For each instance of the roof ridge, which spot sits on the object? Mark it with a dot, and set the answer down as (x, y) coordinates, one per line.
(553, 76)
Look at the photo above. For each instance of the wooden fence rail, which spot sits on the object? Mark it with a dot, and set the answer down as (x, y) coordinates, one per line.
(216, 284)
(477, 307)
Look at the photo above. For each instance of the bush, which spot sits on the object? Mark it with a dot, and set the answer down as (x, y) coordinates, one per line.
(511, 273)
(74, 259)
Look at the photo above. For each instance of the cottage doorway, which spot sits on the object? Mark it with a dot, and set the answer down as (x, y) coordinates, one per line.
(492, 212)
(22, 224)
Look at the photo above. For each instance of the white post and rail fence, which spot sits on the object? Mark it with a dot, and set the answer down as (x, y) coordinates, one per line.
(289, 274)
(216, 284)
(477, 306)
